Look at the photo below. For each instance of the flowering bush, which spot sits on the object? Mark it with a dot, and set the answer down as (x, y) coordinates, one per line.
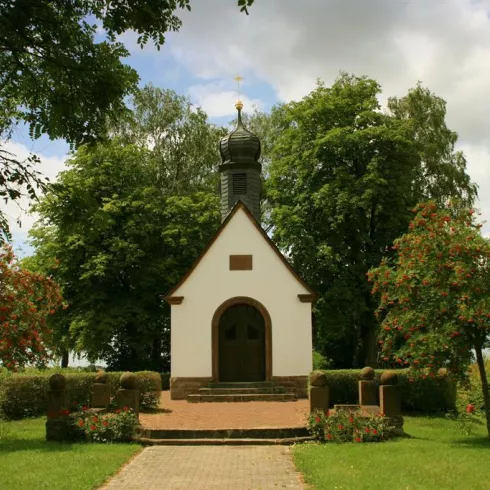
(349, 426)
(26, 300)
(116, 426)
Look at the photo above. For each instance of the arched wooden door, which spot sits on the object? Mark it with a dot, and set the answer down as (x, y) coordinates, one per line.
(241, 344)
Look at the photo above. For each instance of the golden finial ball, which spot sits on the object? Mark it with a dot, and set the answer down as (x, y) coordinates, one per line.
(239, 105)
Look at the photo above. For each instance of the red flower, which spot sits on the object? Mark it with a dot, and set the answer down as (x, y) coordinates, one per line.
(81, 423)
(318, 419)
(366, 430)
(340, 427)
(470, 408)
(105, 423)
(329, 436)
(357, 439)
(95, 419)
(92, 427)
(85, 408)
(374, 431)
(65, 412)
(125, 409)
(351, 420)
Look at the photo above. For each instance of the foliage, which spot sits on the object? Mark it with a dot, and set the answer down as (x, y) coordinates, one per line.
(426, 459)
(469, 389)
(61, 71)
(116, 426)
(26, 300)
(27, 460)
(349, 426)
(25, 395)
(435, 294)
(343, 178)
(116, 238)
(320, 362)
(424, 395)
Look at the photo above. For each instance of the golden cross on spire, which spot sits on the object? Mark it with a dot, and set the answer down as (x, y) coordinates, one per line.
(238, 79)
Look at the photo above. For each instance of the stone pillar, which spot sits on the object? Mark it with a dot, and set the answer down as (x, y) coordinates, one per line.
(390, 400)
(56, 424)
(367, 387)
(129, 394)
(101, 391)
(318, 392)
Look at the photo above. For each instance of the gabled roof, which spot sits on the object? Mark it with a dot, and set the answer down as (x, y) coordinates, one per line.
(240, 205)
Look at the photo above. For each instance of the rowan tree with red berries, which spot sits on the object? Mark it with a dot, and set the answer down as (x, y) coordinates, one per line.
(435, 295)
(26, 300)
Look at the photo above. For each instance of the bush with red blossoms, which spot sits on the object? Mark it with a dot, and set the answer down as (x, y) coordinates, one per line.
(349, 426)
(26, 300)
(434, 296)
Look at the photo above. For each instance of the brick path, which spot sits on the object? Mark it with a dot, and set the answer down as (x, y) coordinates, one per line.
(209, 467)
(178, 414)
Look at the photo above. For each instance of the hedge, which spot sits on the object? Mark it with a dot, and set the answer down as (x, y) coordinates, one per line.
(425, 395)
(25, 395)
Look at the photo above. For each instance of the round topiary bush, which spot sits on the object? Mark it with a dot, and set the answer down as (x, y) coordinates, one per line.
(317, 378)
(389, 378)
(367, 373)
(102, 377)
(57, 382)
(128, 381)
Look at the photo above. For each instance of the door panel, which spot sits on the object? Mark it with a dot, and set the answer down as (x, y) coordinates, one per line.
(242, 344)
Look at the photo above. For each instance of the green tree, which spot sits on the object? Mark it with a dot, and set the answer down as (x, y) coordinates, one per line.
(125, 222)
(435, 295)
(120, 242)
(343, 178)
(62, 79)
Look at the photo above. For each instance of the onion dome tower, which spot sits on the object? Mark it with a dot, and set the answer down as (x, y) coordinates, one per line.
(240, 171)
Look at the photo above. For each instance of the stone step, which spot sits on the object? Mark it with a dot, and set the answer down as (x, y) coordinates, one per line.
(241, 391)
(243, 384)
(269, 397)
(223, 442)
(253, 433)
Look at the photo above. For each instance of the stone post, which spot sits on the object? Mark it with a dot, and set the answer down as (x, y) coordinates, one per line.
(129, 394)
(390, 400)
(56, 424)
(318, 392)
(101, 391)
(367, 387)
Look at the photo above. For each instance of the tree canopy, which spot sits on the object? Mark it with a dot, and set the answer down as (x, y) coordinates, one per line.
(61, 72)
(26, 301)
(124, 223)
(343, 178)
(435, 295)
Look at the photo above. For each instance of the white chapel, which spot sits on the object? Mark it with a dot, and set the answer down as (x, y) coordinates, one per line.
(241, 316)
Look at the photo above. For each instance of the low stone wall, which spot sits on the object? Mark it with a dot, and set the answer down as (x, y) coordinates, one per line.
(181, 387)
(293, 384)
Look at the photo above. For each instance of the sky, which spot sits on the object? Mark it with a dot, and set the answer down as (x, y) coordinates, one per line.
(284, 46)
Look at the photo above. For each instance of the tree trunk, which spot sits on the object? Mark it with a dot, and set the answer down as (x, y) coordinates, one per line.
(65, 356)
(484, 384)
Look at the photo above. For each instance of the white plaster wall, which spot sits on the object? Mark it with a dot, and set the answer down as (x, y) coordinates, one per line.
(212, 283)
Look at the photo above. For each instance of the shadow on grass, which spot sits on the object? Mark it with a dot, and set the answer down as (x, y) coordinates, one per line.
(472, 442)
(15, 445)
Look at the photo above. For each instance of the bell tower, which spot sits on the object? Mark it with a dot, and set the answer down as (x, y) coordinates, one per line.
(240, 171)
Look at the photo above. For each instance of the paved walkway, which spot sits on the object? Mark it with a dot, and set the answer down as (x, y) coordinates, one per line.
(178, 414)
(209, 467)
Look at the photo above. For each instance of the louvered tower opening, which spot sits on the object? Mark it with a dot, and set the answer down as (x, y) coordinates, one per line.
(239, 184)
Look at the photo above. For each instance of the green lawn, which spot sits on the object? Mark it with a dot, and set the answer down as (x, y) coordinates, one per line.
(27, 461)
(436, 456)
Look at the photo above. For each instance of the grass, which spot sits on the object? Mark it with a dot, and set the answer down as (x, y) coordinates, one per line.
(434, 456)
(28, 461)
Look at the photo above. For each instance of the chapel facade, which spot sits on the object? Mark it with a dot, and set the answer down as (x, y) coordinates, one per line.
(241, 316)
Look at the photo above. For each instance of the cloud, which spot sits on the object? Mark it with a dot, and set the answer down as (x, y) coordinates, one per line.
(19, 211)
(217, 99)
(289, 44)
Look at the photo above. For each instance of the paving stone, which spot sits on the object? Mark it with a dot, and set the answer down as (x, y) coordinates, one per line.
(209, 467)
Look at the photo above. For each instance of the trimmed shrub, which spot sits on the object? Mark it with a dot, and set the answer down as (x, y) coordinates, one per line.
(425, 395)
(25, 395)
